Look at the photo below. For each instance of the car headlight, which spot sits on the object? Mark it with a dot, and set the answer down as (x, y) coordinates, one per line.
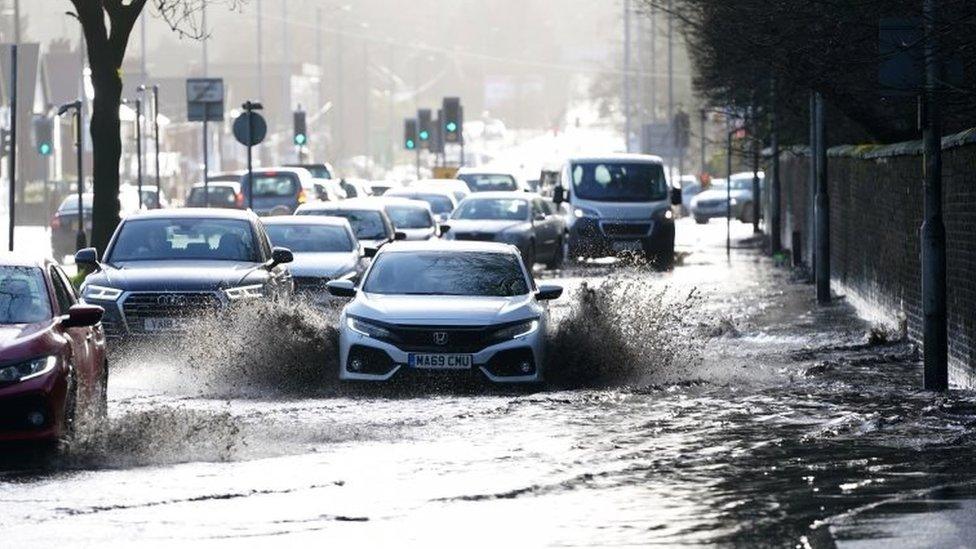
(585, 212)
(101, 293)
(367, 328)
(253, 291)
(27, 370)
(517, 330)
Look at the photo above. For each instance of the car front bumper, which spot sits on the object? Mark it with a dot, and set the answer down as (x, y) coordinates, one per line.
(496, 363)
(45, 395)
(593, 237)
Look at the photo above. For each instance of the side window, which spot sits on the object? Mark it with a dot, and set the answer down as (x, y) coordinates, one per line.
(264, 242)
(67, 283)
(62, 294)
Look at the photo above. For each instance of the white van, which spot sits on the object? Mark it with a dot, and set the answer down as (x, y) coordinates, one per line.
(618, 202)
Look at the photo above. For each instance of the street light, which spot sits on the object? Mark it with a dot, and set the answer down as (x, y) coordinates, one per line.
(80, 240)
(155, 111)
(138, 103)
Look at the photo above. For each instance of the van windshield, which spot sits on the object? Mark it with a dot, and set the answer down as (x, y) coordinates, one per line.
(619, 181)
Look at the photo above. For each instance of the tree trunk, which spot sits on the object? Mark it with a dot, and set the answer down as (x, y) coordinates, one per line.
(106, 151)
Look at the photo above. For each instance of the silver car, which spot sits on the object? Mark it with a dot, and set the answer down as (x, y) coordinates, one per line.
(711, 203)
(412, 218)
(439, 308)
(524, 220)
(324, 249)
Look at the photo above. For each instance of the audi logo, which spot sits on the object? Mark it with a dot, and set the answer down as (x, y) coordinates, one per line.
(171, 300)
(441, 338)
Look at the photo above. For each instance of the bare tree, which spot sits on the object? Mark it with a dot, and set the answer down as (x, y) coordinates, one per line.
(107, 25)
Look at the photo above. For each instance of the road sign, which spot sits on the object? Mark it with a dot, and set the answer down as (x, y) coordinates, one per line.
(204, 99)
(258, 131)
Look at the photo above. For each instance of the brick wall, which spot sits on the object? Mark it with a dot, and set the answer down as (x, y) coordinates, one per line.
(875, 215)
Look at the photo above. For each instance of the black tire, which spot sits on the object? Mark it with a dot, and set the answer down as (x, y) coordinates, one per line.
(701, 220)
(558, 256)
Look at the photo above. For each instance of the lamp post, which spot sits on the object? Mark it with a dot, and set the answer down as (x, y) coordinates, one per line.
(138, 103)
(80, 240)
(155, 110)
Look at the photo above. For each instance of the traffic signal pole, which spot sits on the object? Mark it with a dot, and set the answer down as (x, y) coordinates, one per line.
(12, 159)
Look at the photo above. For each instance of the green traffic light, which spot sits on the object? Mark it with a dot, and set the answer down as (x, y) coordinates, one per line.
(451, 127)
(411, 144)
(300, 139)
(424, 135)
(44, 149)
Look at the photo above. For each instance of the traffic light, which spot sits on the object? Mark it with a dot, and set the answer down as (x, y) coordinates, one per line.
(301, 132)
(43, 134)
(424, 127)
(452, 119)
(410, 134)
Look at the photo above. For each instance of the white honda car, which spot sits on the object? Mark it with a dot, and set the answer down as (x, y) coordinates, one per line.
(433, 308)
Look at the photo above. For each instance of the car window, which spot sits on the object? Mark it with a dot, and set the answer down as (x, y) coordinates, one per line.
(61, 293)
(350, 189)
(482, 182)
(278, 185)
(23, 295)
(366, 224)
(409, 217)
(501, 209)
(185, 238)
(219, 196)
(447, 273)
(311, 238)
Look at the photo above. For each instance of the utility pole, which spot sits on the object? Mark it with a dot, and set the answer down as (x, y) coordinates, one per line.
(286, 46)
(139, 149)
(812, 187)
(671, 78)
(704, 156)
(16, 21)
(775, 211)
(935, 346)
(756, 190)
(12, 159)
(653, 48)
(728, 193)
(822, 206)
(366, 136)
(260, 45)
(159, 184)
(627, 106)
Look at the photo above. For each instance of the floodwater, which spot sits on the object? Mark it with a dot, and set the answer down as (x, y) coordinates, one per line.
(716, 405)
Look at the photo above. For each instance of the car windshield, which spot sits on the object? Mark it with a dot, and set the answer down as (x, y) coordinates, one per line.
(439, 204)
(184, 238)
(278, 185)
(310, 238)
(219, 196)
(619, 181)
(366, 224)
(482, 182)
(501, 209)
(447, 273)
(23, 295)
(409, 217)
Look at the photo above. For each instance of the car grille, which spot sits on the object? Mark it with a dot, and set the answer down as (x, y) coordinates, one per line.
(428, 338)
(140, 306)
(482, 237)
(616, 230)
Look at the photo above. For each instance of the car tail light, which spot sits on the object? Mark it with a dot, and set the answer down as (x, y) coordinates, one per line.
(302, 198)
(56, 222)
(239, 200)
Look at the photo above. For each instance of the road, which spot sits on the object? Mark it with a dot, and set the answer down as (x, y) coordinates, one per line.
(712, 405)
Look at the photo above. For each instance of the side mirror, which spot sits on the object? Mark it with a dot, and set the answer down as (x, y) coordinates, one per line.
(370, 251)
(281, 255)
(675, 196)
(341, 288)
(80, 316)
(399, 235)
(548, 291)
(445, 228)
(87, 257)
(558, 195)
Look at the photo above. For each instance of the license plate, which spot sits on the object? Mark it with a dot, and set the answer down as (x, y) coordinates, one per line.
(160, 324)
(626, 245)
(440, 361)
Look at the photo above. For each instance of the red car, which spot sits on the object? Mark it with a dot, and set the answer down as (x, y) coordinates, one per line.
(53, 365)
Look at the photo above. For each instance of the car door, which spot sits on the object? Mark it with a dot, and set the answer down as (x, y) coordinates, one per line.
(81, 339)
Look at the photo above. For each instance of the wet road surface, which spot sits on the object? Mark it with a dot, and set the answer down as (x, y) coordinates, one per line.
(741, 415)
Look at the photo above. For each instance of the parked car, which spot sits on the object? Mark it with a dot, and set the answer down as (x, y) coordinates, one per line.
(523, 220)
(619, 202)
(442, 202)
(690, 187)
(279, 191)
(324, 249)
(485, 179)
(368, 219)
(53, 366)
(223, 194)
(720, 199)
(64, 222)
(413, 218)
(443, 308)
(163, 266)
(456, 187)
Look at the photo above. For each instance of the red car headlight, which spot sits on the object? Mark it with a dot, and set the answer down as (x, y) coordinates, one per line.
(28, 369)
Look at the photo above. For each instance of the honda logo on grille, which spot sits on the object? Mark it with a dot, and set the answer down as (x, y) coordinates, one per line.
(441, 338)
(171, 300)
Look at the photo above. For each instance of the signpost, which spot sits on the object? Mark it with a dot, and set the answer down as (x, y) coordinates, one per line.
(205, 103)
(250, 129)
